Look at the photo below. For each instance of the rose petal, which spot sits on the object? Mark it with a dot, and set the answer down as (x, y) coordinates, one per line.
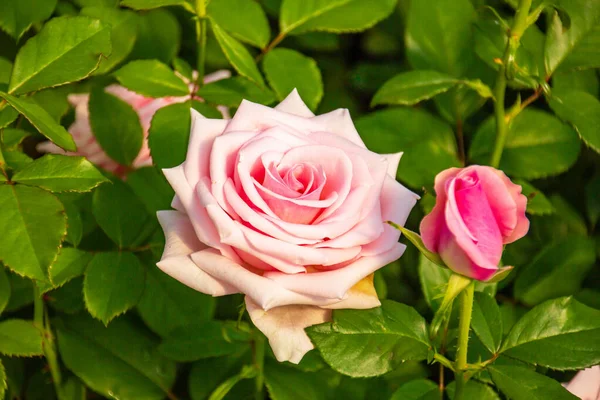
(393, 160)
(586, 384)
(361, 296)
(284, 327)
(340, 123)
(217, 76)
(293, 104)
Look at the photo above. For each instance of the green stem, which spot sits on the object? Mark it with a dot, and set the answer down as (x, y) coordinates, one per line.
(520, 23)
(464, 323)
(259, 362)
(201, 28)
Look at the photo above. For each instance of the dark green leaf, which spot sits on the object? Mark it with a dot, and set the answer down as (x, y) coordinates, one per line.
(557, 270)
(169, 134)
(247, 372)
(298, 16)
(586, 53)
(3, 383)
(38, 226)
(152, 43)
(415, 239)
(17, 16)
(371, 342)
(538, 145)
(74, 221)
(487, 322)
(68, 298)
(42, 121)
(54, 101)
(5, 70)
(559, 334)
(218, 338)
(116, 126)
(230, 92)
(520, 383)
(280, 380)
(585, 80)
(70, 263)
(582, 110)
(4, 289)
(114, 283)
(119, 361)
(237, 54)
(592, 199)
(58, 173)
(20, 338)
(149, 4)
(21, 291)
(207, 374)
(287, 70)
(67, 49)
(122, 34)
(248, 23)
(418, 134)
(206, 109)
(151, 187)
(420, 389)
(151, 78)
(473, 390)
(411, 87)
(537, 202)
(7, 116)
(73, 389)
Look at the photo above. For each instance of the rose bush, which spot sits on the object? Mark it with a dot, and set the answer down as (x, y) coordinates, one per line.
(477, 211)
(287, 208)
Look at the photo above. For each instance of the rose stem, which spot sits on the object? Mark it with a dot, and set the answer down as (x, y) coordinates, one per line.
(464, 323)
(201, 39)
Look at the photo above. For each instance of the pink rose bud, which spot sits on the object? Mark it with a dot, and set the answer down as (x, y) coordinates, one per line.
(288, 208)
(477, 211)
(146, 107)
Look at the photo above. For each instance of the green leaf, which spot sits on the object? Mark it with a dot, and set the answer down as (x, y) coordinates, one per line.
(585, 80)
(4, 289)
(20, 338)
(520, 383)
(3, 381)
(487, 321)
(169, 134)
(586, 53)
(371, 342)
(566, 221)
(218, 338)
(280, 380)
(473, 390)
(151, 78)
(58, 173)
(119, 361)
(5, 70)
(248, 23)
(21, 291)
(230, 92)
(287, 70)
(73, 389)
(207, 374)
(68, 298)
(150, 4)
(340, 16)
(537, 202)
(37, 227)
(74, 222)
(70, 264)
(247, 372)
(122, 34)
(7, 115)
(183, 68)
(116, 126)
(237, 54)
(557, 270)
(17, 16)
(592, 199)
(207, 110)
(151, 187)
(418, 134)
(415, 239)
(67, 49)
(114, 283)
(41, 120)
(151, 43)
(13, 137)
(560, 40)
(538, 145)
(582, 110)
(559, 334)
(411, 87)
(420, 389)
(167, 304)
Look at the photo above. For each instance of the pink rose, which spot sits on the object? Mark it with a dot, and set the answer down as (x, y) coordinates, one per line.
(88, 147)
(477, 211)
(287, 208)
(586, 384)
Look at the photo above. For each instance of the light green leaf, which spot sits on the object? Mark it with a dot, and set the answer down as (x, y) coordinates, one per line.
(411, 87)
(151, 78)
(559, 334)
(17, 16)
(3, 380)
(561, 41)
(300, 16)
(582, 110)
(183, 68)
(12, 137)
(557, 270)
(53, 100)
(287, 70)
(420, 389)
(150, 4)
(118, 361)
(74, 221)
(67, 49)
(237, 54)
(114, 283)
(167, 304)
(20, 338)
(371, 342)
(248, 23)
(473, 390)
(218, 338)
(58, 173)
(151, 187)
(151, 43)
(4, 289)
(37, 227)
(230, 92)
(41, 120)
(123, 33)
(116, 126)
(487, 322)
(70, 264)
(7, 115)
(537, 202)
(520, 383)
(418, 134)
(538, 145)
(169, 134)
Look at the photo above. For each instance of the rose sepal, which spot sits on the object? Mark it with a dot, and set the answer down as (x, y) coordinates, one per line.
(415, 239)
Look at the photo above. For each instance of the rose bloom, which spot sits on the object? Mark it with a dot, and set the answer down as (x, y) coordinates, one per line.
(146, 107)
(586, 384)
(477, 211)
(287, 208)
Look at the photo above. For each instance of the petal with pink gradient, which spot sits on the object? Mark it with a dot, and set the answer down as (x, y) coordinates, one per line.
(339, 122)
(586, 384)
(293, 104)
